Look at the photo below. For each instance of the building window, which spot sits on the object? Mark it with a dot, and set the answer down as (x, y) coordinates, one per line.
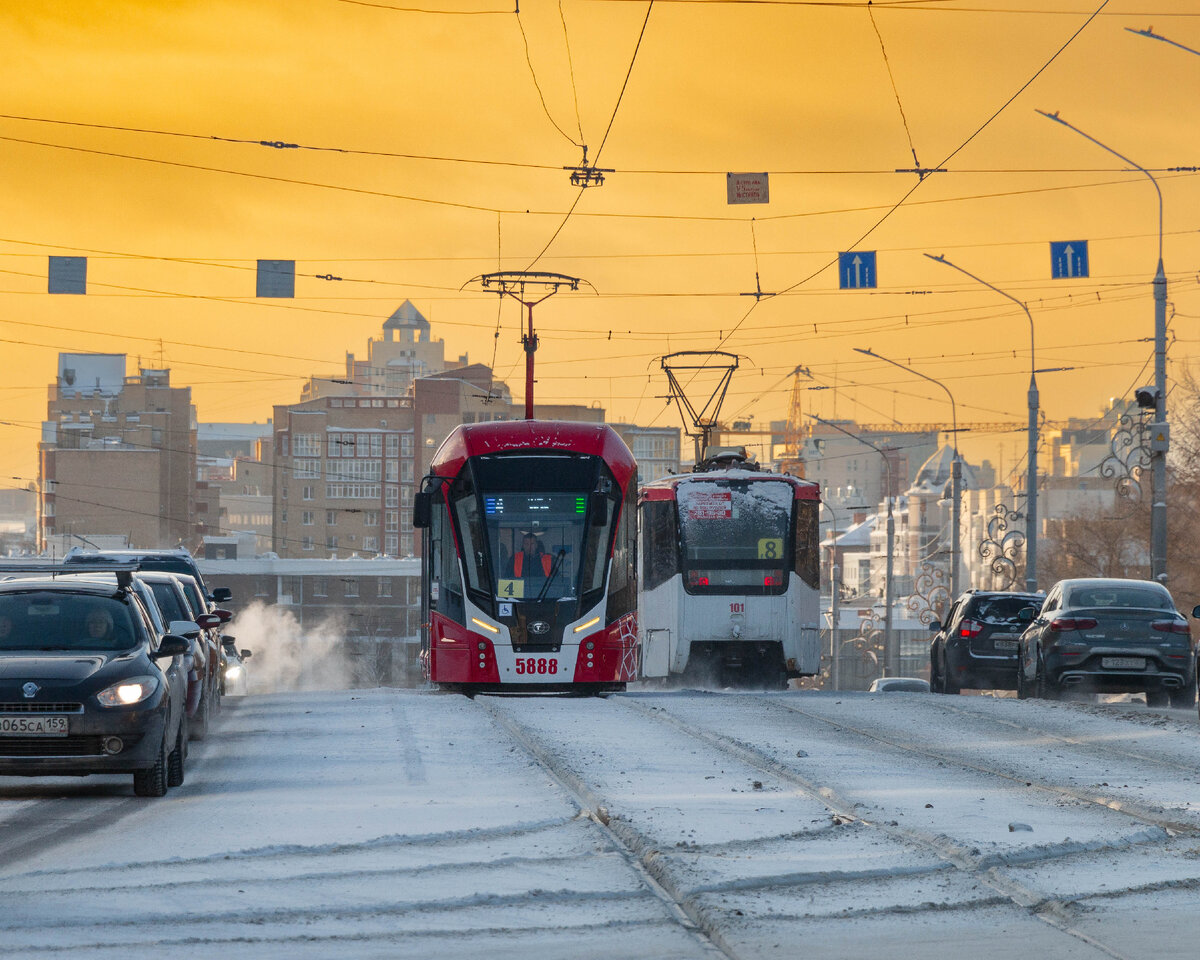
(406, 471)
(283, 516)
(307, 493)
(320, 587)
(306, 543)
(393, 471)
(370, 544)
(393, 446)
(331, 543)
(391, 496)
(406, 445)
(370, 518)
(48, 509)
(307, 518)
(330, 517)
(376, 445)
(308, 468)
(385, 587)
(362, 446)
(351, 587)
(407, 540)
(391, 521)
(391, 544)
(260, 587)
(306, 445)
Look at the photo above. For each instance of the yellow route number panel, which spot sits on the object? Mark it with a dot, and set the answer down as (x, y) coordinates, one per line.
(769, 548)
(515, 589)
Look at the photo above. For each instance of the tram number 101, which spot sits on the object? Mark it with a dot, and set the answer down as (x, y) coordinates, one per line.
(531, 665)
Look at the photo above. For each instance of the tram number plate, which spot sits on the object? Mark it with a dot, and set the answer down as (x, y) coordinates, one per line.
(532, 665)
(1123, 663)
(33, 726)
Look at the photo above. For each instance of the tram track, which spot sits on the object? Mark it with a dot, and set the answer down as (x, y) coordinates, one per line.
(624, 839)
(948, 706)
(1137, 811)
(986, 869)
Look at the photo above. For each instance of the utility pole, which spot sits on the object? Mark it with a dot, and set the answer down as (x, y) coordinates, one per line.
(512, 283)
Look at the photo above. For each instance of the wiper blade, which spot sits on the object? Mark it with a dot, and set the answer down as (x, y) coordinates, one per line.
(553, 573)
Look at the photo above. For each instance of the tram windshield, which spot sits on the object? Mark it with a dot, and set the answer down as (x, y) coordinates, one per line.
(528, 528)
(735, 534)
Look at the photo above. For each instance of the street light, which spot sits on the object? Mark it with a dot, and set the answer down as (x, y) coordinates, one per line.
(955, 469)
(1031, 475)
(891, 652)
(1158, 429)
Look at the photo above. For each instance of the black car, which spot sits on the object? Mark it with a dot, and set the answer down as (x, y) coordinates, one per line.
(976, 649)
(87, 685)
(1109, 636)
(167, 561)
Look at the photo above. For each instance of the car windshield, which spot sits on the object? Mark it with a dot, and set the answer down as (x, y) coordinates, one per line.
(1001, 609)
(1149, 597)
(169, 602)
(54, 620)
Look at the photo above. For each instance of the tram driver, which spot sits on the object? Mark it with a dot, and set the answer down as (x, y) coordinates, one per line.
(532, 560)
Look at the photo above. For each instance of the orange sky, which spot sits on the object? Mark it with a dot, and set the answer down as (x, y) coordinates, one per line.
(173, 220)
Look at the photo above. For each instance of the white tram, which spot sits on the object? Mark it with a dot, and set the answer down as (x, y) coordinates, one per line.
(729, 588)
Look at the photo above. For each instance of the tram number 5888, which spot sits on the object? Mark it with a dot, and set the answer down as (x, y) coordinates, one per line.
(530, 665)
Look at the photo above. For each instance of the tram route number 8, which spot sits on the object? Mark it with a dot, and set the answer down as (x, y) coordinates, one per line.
(530, 665)
(770, 548)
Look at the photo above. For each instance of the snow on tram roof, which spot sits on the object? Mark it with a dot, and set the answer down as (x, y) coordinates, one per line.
(502, 436)
(664, 487)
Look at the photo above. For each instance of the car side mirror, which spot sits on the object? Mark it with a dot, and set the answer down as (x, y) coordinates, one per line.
(222, 595)
(245, 654)
(1026, 615)
(184, 628)
(172, 646)
(208, 620)
(225, 615)
(1196, 611)
(935, 626)
(422, 510)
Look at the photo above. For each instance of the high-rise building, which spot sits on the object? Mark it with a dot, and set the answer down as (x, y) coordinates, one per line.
(117, 457)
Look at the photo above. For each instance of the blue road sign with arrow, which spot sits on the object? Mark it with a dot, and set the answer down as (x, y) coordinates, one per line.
(856, 270)
(1068, 259)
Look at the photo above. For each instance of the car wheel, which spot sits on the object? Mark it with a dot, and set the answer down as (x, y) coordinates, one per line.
(1023, 687)
(198, 728)
(1043, 687)
(153, 782)
(949, 684)
(1157, 698)
(175, 772)
(1183, 698)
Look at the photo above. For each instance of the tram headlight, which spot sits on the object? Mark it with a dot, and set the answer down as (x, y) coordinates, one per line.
(584, 626)
(486, 626)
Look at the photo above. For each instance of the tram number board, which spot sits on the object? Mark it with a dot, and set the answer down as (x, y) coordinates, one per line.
(533, 665)
(710, 506)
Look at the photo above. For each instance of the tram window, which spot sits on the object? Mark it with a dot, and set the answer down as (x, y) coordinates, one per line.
(660, 542)
(470, 530)
(622, 586)
(807, 546)
(595, 551)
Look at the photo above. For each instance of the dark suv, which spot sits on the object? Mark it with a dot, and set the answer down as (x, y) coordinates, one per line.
(977, 647)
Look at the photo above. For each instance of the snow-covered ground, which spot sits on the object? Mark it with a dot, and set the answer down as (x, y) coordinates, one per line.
(390, 823)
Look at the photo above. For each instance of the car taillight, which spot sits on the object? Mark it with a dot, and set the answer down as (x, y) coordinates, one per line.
(773, 579)
(970, 629)
(1170, 626)
(1070, 623)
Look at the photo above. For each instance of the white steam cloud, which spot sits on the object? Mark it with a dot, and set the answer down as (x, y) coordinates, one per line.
(288, 656)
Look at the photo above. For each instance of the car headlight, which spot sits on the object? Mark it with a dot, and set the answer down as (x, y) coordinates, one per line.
(128, 692)
(232, 673)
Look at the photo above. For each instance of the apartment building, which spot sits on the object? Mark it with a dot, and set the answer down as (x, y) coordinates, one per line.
(117, 456)
(343, 477)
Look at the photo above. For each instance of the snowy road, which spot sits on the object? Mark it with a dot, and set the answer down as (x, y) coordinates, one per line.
(668, 825)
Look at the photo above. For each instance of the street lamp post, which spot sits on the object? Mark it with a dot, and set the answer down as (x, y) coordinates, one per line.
(891, 652)
(1158, 449)
(955, 471)
(1031, 475)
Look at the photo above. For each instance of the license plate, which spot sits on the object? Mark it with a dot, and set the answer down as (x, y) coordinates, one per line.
(1005, 644)
(1123, 663)
(33, 726)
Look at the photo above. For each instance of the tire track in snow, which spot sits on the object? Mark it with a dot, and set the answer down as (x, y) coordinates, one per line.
(1050, 911)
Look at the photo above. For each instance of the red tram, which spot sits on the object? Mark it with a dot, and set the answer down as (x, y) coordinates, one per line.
(529, 578)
